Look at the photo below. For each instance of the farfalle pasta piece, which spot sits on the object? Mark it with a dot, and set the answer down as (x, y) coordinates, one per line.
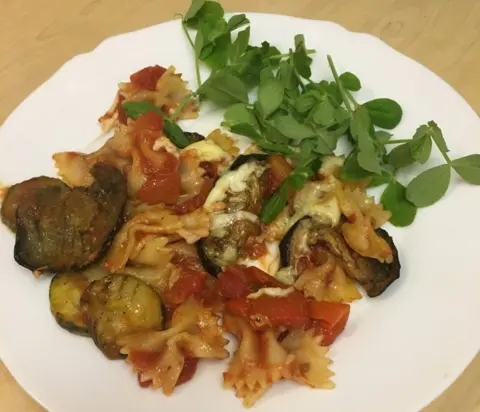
(328, 282)
(308, 363)
(257, 363)
(261, 360)
(159, 221)
(358, 230)
(159, 356)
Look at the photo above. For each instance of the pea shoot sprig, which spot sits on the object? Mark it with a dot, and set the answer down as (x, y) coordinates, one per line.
(304, 119)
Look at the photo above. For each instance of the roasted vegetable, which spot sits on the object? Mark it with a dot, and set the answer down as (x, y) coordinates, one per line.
(242, 159)
(23, 193)
(242, 187)
(194, 137)
(301, 247)
(119, 305)
(228, 234)
(66, 289)
(61, 230)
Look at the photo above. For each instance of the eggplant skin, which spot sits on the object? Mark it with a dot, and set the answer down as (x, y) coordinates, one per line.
(382, 275)
(374, 276)
(66, 230)
(242, 159)
(120, 305)
(23, 192)
(194, 137)
(208, 264)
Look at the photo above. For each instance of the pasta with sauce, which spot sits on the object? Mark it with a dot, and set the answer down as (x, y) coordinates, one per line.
(190, 241)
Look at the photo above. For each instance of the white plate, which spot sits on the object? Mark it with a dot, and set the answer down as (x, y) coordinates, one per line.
(399, 350)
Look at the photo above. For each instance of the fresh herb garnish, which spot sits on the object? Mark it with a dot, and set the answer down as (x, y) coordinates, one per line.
(171, 129)
(304, 119)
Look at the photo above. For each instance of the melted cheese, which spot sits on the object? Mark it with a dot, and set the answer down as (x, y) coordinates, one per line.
(221, 221)
(208, 151)
(318, 200)
(269, 262)
(165, 143)
(235, 181)
(273, 292)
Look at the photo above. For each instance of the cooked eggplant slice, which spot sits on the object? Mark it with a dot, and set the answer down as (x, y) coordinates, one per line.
(66, 230)
(308, 236)
(194, 137)
(242, 188)
(228, 235)
(23, 192)
(119, 305)
(66, 289)
(242, 159)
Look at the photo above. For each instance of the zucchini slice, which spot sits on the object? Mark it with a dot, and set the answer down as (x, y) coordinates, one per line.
(66, 289)
(119, 305)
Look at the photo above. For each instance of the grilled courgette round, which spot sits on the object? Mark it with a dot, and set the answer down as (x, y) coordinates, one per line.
(66, 290)
(119, 305)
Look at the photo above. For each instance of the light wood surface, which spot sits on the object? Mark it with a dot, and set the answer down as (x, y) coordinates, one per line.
(38, 36)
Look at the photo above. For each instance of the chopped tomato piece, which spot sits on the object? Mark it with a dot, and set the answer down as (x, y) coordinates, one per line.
(232, 283)
(188, 371)
(289, 311)
(238, 307)
(160, 188)
(122, 116)
(149, 121)
(329, 318)
(147, 78)
(238, 281)
(254, 249)
(189, 283)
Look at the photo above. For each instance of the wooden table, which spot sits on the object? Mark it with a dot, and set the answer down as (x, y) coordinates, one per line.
(38, 36)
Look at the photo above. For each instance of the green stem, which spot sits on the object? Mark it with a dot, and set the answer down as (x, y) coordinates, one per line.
(181, 105)
(398, 141)
(352, 99)
(285, 55)
(339, 84)
(197, 65)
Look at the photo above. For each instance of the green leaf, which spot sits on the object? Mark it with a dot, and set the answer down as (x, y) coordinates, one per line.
(224, 89)
(384, 112)
(341, 114)
(172, 130)
(287, 76)
(266, 74)
(400, 156)
(438, 138)
(239, 46)
(270, 96)
(206, 11)
(288, 126)
(246, 129)
(379, 180)
(350, 81)
(326, 142)
(368, 160)
(237, 21)
(305, 102)
(324, 113)
(360, 125)
(381, 136)
(275, 204)
(429, 186)
(468, 168)
(216, 54)
(300, 58)
(194, 9)
(239, 113)
(421, 148)
(352, 170)
(394, 200)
